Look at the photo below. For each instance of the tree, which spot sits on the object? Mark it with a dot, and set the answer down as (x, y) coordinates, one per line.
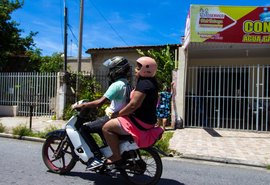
(52, 63)
(15, 50)
(165, 59)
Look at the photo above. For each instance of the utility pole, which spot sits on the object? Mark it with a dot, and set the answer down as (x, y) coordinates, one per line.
(80, 46)
(63, 84)
(65, 38)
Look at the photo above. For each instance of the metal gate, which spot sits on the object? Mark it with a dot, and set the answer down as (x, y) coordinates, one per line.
(29, 90)
(231, 97)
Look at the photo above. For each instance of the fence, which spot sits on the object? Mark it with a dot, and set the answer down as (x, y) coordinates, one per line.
(25, 90)
(232, 97)
(38, 91)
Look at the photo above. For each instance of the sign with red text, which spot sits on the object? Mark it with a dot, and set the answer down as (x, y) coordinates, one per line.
(232, 24)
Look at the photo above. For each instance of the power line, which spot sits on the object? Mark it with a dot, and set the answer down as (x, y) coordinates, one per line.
(70, 29)
(109, 23)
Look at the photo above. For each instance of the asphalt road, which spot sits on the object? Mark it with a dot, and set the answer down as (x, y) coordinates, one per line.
(21, 164)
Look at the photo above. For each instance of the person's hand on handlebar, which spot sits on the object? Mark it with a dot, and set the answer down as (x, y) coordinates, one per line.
(78, 106)
(114, 115)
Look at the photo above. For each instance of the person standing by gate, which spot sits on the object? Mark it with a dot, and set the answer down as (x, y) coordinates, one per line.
(164, 106)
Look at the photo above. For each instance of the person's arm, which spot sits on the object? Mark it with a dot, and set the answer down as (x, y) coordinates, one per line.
(93, 104)
(135, 102)
(172, 89)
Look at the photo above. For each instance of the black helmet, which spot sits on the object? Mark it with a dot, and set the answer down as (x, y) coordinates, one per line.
(118, 67)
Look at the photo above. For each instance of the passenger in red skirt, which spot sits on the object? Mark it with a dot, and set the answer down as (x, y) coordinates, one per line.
(138, 117)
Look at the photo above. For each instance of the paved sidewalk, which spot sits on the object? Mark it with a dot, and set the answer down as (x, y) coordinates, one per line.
(38, 123)
(228, 146)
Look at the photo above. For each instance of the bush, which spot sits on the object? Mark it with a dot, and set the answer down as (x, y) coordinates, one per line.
(89, 89)
(2, 128)
(45, 132)
(22, 130)
(163, 143)
(68, 112)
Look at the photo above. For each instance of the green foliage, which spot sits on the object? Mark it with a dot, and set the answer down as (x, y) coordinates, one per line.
(97, 139)
(165, 59)
(68, 112)
(2, 128)
(268, 167)
(163, 143)
(13, 47)
(46, 131)
(22, 130)
(54, 63)
(89, 90)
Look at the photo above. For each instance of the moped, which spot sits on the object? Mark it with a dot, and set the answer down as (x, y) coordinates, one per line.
(63, 148)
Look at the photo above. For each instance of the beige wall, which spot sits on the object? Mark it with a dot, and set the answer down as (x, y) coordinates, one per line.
(86, 64)
(100, 55)
(99, 58)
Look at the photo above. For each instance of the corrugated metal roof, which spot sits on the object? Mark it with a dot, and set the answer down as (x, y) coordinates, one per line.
(94, 50)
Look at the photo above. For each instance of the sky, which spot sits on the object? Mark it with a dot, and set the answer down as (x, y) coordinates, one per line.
(106, 24)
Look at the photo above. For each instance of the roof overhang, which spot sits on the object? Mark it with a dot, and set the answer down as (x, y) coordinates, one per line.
(128, 48)
(227, 50)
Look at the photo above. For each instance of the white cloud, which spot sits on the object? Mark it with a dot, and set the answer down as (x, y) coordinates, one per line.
(49, 46)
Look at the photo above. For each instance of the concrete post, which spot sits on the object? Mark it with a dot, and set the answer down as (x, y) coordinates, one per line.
(180, 84)
(60, 98)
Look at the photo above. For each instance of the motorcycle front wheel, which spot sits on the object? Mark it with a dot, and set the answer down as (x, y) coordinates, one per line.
(58, 155)
(143, 168)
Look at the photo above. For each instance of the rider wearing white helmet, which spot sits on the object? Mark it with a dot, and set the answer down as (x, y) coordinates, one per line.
(118, 94)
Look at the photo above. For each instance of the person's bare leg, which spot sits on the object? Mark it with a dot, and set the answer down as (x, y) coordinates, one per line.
(160, 122)
(164, 122)
(111, 130)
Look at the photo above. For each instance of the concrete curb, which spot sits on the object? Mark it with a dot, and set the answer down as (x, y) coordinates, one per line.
(28, 138)
(220, 160)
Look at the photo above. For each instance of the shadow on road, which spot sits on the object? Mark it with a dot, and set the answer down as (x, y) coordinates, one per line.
(169, 182)
(105, 179)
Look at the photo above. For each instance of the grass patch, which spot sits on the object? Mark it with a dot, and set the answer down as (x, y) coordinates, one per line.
(42, 134)
(22, 130)
(163, 143)
(2, 128)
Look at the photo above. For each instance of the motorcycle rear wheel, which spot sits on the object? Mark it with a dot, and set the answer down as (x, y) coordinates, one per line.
(58, 155)
(147, 169)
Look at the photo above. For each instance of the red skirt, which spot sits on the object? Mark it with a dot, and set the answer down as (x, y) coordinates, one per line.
(143, 138)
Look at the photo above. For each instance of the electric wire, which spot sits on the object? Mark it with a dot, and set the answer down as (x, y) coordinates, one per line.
(70, 29)
(100, 13)
(121, 38)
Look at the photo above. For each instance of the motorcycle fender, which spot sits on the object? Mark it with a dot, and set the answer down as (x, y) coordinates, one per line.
(61, 133)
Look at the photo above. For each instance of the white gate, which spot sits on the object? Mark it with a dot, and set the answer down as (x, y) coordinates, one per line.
(232, 97)
(25, 90)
